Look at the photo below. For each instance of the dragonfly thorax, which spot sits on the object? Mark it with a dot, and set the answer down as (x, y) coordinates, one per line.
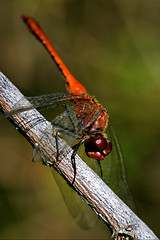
(101, 122)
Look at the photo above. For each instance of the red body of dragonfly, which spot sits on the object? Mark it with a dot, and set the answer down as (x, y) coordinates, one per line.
(92, 117)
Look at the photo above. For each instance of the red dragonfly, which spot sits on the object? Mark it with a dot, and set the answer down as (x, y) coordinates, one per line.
(88, 120)
(92, 118)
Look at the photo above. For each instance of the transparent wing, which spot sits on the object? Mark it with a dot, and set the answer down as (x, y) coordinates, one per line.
(114, 170)
(82, 214)
(40, 102)
(81, 115)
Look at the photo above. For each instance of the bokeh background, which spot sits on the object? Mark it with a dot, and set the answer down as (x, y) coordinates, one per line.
(113, 48)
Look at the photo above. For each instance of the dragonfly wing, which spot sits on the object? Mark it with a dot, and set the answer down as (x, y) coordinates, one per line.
(81, 115)
(84, 216)
(114, 170)
(40, 102)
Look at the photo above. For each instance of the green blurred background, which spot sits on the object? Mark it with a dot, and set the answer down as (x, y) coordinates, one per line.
(113, 48)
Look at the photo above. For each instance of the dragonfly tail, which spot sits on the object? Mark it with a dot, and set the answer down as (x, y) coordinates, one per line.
(73, 86)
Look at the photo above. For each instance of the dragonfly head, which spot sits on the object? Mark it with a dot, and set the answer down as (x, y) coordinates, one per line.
(97, 147)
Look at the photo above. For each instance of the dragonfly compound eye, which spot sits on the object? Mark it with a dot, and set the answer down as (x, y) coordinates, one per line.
(97, 147)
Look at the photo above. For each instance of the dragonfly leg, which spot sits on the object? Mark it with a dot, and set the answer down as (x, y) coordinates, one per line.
(101, 172)
(76, 147)
(56, 135)
(65, 130)
(57, 145)
(68, 113)
(34, 122)
(63, 127)
(57, 148)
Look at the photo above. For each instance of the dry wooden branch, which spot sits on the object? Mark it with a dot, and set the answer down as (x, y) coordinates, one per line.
(121, 220)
